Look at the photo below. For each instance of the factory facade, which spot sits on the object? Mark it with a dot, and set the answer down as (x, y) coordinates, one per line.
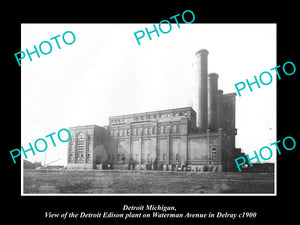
(201, 139)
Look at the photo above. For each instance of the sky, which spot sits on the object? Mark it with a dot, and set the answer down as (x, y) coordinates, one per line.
(105, 73)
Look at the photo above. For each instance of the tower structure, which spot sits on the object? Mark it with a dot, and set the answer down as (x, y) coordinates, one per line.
(200, 102)
(212, 101)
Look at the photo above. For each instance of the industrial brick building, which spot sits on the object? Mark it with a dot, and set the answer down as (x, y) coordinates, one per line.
(201, 139)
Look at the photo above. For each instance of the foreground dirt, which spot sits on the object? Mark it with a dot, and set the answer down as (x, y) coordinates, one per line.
(154, 182)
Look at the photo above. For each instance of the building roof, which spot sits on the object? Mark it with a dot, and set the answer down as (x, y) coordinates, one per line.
(83, 127)
(155, 112)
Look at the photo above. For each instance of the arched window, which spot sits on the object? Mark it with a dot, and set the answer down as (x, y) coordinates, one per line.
(80, 136)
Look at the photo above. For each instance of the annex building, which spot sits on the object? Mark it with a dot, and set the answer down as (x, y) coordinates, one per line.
(201, 139)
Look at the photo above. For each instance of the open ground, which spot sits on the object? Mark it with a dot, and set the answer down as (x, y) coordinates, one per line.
(144, 182)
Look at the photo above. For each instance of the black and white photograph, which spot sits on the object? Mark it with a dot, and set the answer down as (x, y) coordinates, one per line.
(162, 117)
(169, 115)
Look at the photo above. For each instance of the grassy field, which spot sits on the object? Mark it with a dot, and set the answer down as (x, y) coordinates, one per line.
(155, 182)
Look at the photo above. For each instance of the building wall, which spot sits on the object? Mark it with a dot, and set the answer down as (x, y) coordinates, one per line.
(205, 149)
(86, 147)
(167, 137)
(146, 137)
(228, 125)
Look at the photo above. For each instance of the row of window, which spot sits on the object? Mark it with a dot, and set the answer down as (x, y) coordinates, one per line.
(138, 118)
(80, 146)
(122, 157)
(79, 157)
(146, 131)
(176, 156)
(136, 157)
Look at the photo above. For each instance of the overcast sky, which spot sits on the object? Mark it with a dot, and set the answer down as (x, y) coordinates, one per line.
(105, 73)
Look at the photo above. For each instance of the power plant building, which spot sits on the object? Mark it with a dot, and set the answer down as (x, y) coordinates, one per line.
(201, 139)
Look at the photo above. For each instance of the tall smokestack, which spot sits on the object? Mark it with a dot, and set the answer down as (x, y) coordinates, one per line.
(212, 98)
(200, 104)
(220, 109)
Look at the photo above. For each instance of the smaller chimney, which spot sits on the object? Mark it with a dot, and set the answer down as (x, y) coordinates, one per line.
(212, 101)
(220, 109)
